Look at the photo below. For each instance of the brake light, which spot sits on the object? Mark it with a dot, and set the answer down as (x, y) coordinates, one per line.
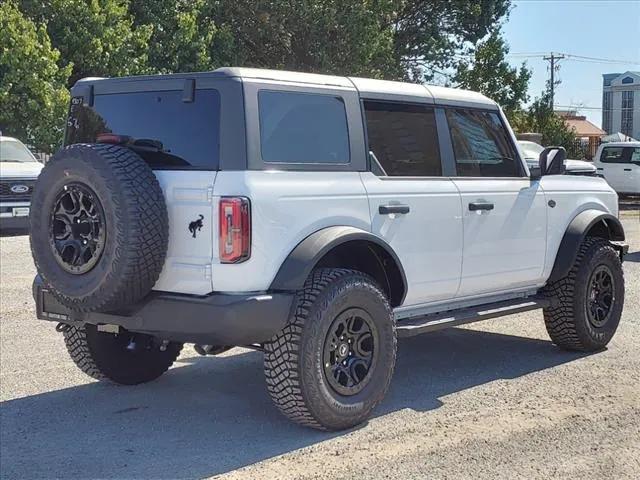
(112, 138)
(235, 229)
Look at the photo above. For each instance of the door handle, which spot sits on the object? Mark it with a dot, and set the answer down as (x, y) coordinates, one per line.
(388, 209)
(627, 169)
(475, 206)
(600, 168)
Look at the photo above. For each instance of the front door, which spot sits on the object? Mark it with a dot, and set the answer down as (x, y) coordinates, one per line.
(412, 205)
(613, 162)
(634, 170)
(504, 212)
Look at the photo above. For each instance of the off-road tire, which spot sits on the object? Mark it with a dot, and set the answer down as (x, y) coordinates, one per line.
(136, 226)
(104, 356)
(293, 360)
(567, 320)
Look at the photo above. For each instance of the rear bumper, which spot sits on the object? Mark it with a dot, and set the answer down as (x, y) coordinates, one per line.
(217, 319)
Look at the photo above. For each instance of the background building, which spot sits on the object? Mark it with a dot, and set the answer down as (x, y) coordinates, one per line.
(621, 103)
(587, 134)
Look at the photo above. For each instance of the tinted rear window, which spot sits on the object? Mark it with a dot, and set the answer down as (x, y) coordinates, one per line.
(188, 131)
(303, 128)
(403, 138)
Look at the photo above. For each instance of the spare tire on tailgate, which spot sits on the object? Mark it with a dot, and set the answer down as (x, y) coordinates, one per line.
(99, 227)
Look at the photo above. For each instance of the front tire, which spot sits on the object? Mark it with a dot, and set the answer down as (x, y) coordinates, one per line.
(587, 303)
(125, 358)
(332, 364)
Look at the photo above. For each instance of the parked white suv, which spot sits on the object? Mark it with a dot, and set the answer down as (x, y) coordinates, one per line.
(619, 163)
(18, 172)
(531, 152)
(313, 218)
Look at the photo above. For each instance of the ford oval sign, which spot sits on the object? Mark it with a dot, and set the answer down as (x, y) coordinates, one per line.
(19, 188)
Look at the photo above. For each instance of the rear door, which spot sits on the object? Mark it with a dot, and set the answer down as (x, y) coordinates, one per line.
(413, 205)
(181, 137)
(503, 211)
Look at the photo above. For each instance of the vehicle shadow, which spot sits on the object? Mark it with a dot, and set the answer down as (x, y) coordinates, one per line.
(213, 415)
(632, 257)
(13, 233)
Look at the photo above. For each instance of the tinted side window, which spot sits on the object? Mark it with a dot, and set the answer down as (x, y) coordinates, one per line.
(189, 132)
(635, 155)
(481, 144)
(303, 128)
(613, 155)
(403, 138)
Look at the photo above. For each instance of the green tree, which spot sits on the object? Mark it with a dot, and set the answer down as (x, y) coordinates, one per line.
(489, 72)
(97, 37)
(392, 39)
(539, 117)
(428, 33)
(183, 35)
(328, 36)
(33, 97)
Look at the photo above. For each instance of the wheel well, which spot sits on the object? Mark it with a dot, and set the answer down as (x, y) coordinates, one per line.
(606, 229)
(372, 259)
(590, 223)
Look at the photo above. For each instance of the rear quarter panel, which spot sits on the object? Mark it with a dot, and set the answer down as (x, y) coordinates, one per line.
(286, 207)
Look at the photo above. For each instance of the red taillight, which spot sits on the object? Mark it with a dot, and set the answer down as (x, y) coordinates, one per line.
(235, 229)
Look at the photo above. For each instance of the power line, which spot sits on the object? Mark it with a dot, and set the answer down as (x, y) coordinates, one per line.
(579, 107)
(600, 60)
(577, 58)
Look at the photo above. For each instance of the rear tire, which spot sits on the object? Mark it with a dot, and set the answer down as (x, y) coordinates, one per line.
(332, 364)
(587, 303)
(105, 356)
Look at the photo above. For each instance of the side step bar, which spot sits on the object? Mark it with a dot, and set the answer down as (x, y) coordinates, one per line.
(437, 321)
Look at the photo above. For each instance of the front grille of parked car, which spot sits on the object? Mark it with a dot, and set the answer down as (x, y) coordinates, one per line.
(7, 194)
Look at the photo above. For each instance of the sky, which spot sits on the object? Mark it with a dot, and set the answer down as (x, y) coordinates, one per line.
(603, 29)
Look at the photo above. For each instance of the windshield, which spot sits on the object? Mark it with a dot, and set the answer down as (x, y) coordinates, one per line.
(15, 151)
(531, 150)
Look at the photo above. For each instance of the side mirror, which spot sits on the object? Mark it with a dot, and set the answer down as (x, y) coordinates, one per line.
(555, 165)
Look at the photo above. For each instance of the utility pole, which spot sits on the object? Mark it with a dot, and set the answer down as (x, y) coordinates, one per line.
(553, 59)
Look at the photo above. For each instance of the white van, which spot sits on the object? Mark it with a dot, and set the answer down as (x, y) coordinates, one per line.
(619, 163)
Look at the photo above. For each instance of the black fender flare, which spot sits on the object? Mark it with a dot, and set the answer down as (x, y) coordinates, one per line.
(296, 268)
(574, 235)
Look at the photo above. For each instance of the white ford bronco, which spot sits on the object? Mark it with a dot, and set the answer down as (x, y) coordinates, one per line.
(313, 218)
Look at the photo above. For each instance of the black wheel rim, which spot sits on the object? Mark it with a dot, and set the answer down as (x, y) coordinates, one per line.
(350, 351)
(77, 228)
(600, 296)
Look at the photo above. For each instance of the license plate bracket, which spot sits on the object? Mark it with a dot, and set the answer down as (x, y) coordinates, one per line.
(20, 211)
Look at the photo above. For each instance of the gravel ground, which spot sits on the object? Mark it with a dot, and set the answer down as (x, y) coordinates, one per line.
(495, 400)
